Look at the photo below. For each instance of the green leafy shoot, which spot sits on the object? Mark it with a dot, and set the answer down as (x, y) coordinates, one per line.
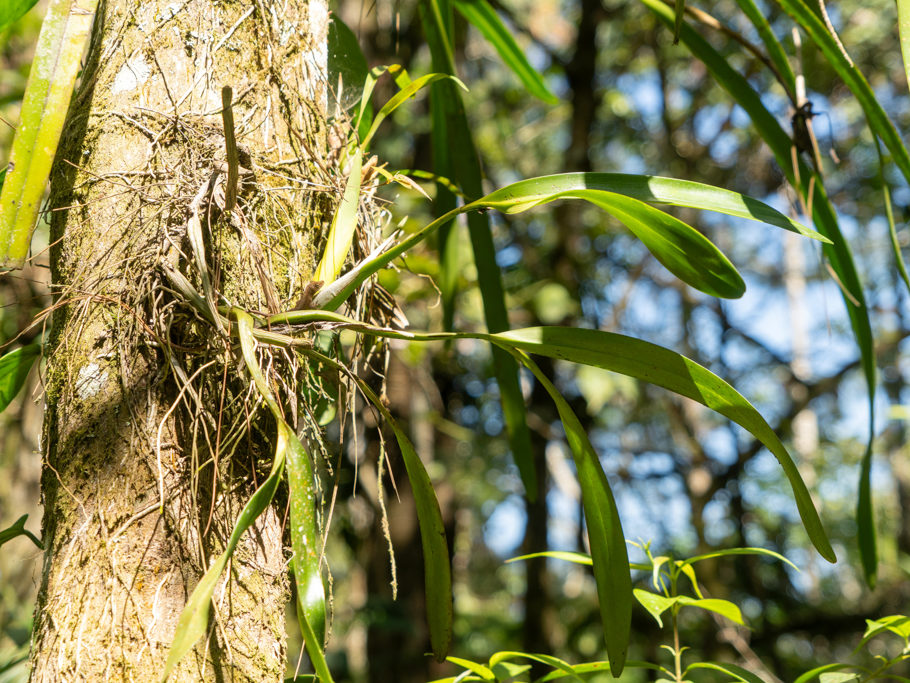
(14, 369)
(903, 26)
(63, 36)
(17, 529)
(485, 20)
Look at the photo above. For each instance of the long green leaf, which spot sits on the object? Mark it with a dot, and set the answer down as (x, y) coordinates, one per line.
(194, 619)
(437, 569)
(812, 674)
(596, 667)
(737, 672)
(12, 11)
(17, 529)
(665, 368)
(63, 36)
(527, 194)
(903, 26)
(728, 552)
(549, 660)
(343, 226)
(838, 252)
(725, 608)
(485, 19)
(608, 544)
(681, 249)
(399, 98)
(577, 558)
(835, 56)
(462, 164)
(772, 45)
(14, 369)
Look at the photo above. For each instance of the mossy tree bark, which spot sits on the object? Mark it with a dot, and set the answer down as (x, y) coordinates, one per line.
(144, 474)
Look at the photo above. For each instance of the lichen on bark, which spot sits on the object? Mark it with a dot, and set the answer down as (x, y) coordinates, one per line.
(128, 420)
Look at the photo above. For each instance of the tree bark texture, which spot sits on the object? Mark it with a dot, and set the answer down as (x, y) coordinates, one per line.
(143, 477)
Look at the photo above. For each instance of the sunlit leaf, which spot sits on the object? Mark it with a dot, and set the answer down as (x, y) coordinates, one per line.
(655, 604)
(838, 252)
(723, 607)
(730, 552)
(63, 36)
(474, 667)
(14, 369)
(12, 11)
(577, 558)
(485, 19)
(665, 368)
(344, 223)
(399, 98)
(812, 674)
(549, 660)
(737, 672)
(608, 545)
(437, 570)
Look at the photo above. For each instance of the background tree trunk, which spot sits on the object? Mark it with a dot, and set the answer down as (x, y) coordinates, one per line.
(144, 135)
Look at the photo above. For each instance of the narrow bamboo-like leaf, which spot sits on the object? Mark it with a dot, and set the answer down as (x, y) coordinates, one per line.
(665, 368)
(194, 620)
(654, 604)
(345, 63)
(689, 571)
(725, 608)
(865, 518)
(772, 45)
(835, 56)
(728, 552)
(63, 36)
(485, 20)
(889, 215)
(12, 11)
(549, 660)
(838, 252)
(14, 369)
(843, 677)
(595, 667)
(399, 98)
(577, 558)
(344, 223)
(526, 194)
(474, 667)
(895, 623)
(681, 249)
(903, 26)
(608, 545)
(453, 146)
(17, 529)
(812, 674)
(305, 539)
(437, 569)
(737, 672)
(679, 10)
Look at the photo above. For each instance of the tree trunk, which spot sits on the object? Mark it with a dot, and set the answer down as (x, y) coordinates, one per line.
(145, 473)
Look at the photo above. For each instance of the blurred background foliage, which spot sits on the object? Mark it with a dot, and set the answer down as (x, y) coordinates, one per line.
(686, 480)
